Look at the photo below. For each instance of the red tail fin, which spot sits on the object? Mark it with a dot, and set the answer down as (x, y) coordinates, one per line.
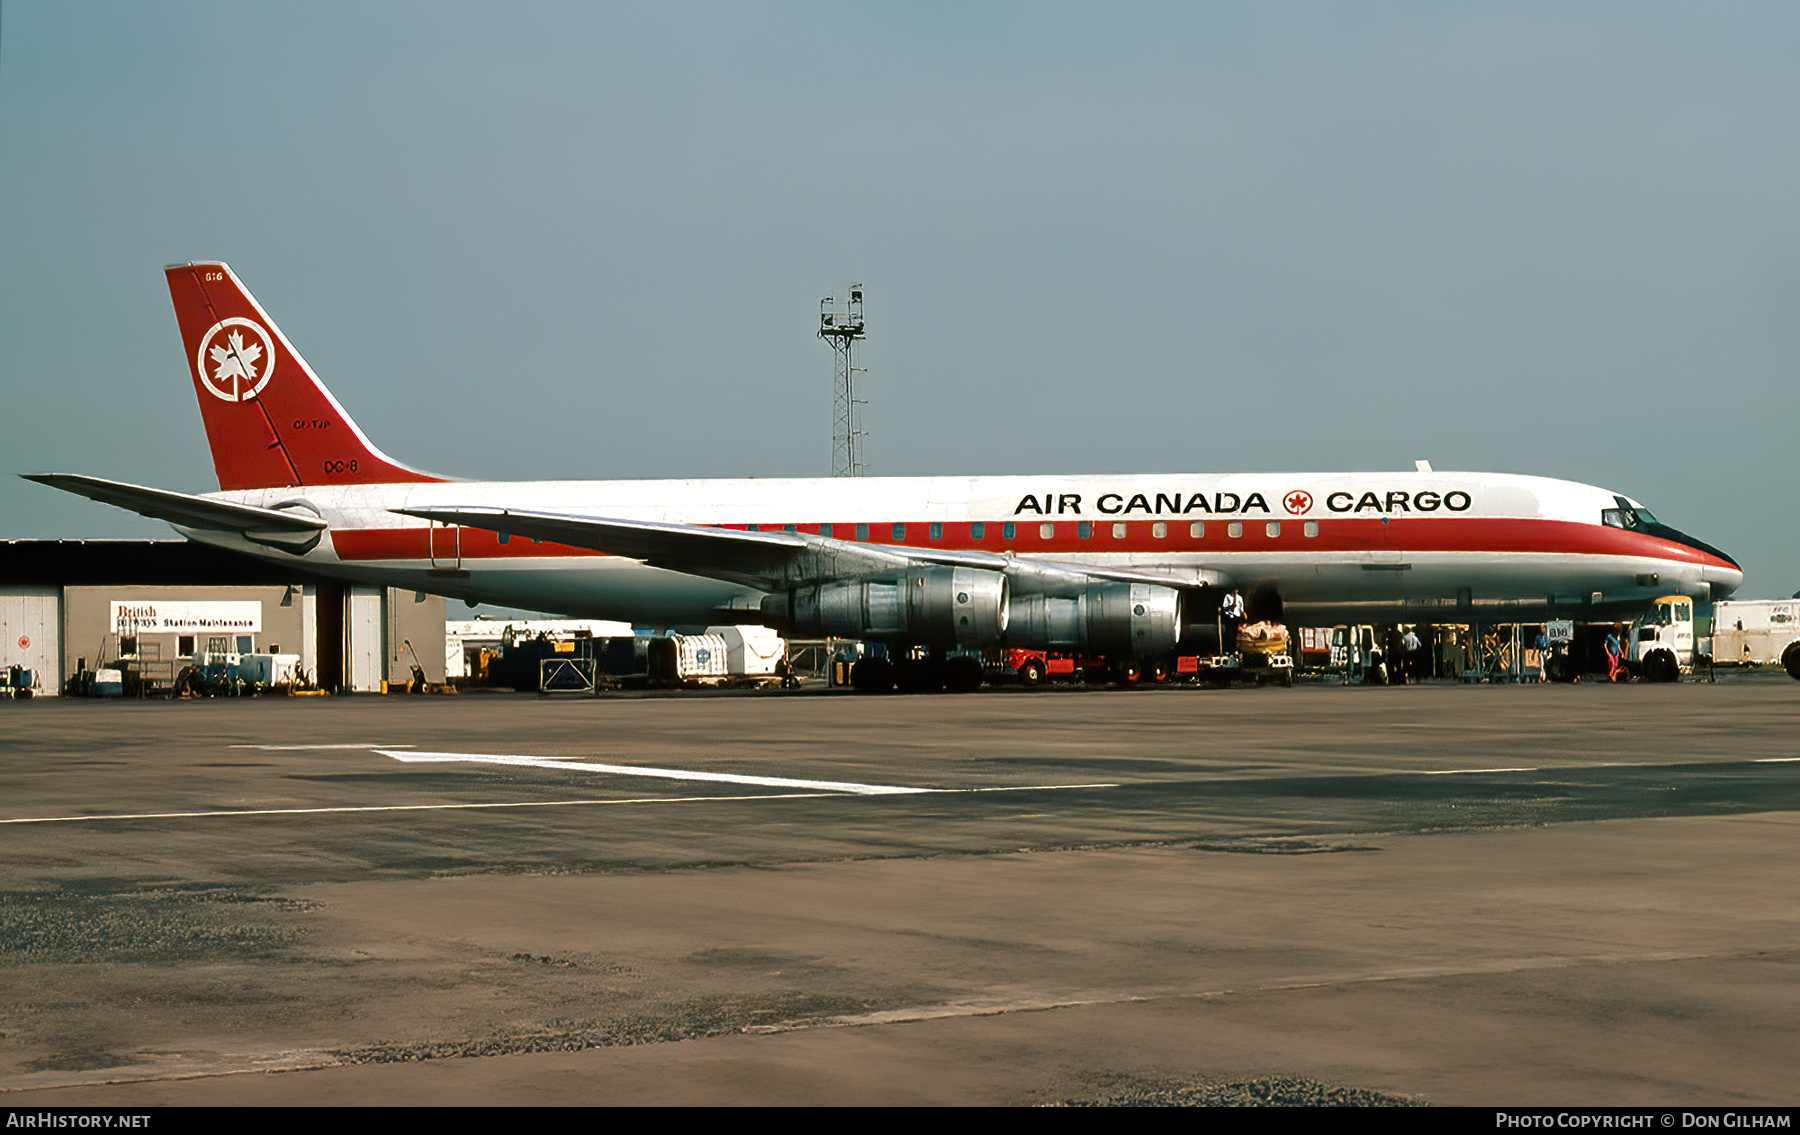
(270, 420)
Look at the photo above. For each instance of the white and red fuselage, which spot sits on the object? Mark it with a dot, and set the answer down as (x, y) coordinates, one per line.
(1337, 547)
(1328, 548)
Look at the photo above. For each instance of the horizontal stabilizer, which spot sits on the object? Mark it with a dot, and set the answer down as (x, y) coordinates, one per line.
(189, 511)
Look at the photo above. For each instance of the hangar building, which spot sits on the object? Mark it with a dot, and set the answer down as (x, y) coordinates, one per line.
(67, 605)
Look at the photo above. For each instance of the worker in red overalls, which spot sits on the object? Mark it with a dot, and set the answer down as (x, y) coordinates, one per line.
(1615, 655)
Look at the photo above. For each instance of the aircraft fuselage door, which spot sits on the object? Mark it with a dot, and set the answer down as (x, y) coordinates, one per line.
(446, 547)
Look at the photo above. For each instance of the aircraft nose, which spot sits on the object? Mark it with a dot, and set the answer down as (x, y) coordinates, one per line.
(1721, 575)
(1722, 580)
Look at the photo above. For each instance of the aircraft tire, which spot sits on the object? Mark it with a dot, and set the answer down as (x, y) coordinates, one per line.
(963, 675)
(872, 676)
(919, 676)
(1790, 660)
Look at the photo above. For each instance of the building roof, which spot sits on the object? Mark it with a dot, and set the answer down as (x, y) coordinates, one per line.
(61, 563)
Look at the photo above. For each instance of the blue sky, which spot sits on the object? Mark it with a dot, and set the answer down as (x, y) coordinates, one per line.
(589, 240)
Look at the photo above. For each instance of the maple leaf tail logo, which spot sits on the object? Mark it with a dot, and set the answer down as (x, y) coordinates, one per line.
(238, 361)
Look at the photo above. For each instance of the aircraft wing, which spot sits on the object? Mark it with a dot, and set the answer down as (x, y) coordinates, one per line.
(769, 560)
(295, 531)
(775, 560)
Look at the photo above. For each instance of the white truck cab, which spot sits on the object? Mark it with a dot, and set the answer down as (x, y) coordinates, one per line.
(1662, 641)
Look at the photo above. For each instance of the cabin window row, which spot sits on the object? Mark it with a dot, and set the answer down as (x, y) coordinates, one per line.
(1084, 529)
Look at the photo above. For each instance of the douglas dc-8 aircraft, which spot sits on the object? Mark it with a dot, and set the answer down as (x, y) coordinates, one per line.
(1129, 567)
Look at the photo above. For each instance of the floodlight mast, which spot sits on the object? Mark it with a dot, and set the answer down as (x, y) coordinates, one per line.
(841, 325)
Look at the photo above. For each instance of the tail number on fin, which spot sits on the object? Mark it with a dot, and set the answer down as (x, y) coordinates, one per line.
(235, 359)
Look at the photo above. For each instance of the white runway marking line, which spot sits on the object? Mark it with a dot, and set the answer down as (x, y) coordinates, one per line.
(1464, 771)
(822, 789)
(845, 786)
(1774, 760)
(849, 788)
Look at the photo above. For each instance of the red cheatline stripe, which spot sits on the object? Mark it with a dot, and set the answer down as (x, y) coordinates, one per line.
(1335, 534)
(417, 544)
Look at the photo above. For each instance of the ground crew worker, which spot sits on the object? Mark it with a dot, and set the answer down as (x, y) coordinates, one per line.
(1615, 655)
(1231, 617)
(1410, 647)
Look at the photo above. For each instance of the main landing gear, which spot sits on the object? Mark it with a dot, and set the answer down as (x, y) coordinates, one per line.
(959, 674)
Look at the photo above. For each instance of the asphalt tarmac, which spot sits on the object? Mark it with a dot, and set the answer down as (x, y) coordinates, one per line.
(1436, 894)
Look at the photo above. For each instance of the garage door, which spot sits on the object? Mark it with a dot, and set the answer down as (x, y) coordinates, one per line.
(30, 626)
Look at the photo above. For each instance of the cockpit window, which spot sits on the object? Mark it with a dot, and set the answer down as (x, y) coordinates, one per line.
(1628, 518)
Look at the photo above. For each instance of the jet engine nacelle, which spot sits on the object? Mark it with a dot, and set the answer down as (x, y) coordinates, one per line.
(1106, 618)
(935, 605)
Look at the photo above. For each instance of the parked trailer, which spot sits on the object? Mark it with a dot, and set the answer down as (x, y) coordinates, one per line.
(1754, 631)
(1030, 668)
(752, 655)
(752, 651)
(1035, 667)
(470, 645)
(681, 658)
(584, 665)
